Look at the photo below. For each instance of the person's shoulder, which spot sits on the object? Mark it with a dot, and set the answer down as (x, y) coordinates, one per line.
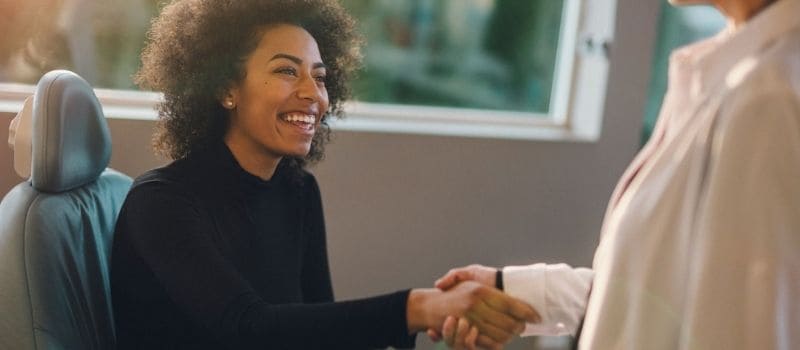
(309, 180)
(307, 177)
(174, 177)
(774, 70)
(304, 181)
(293, 175)
(166, 173)
(762, 96)
(785, 46)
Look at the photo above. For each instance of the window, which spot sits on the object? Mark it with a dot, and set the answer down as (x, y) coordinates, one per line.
(499, 68)
(100, 40)
(481, 54)
(678, 26)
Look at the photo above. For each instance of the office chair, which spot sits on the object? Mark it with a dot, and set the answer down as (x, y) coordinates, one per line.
(56, 227)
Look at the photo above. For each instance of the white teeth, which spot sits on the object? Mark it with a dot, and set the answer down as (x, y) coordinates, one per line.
(305, 118)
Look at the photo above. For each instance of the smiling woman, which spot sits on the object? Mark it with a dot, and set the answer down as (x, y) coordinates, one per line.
(225, 247)
(280, 103)
(193, 114)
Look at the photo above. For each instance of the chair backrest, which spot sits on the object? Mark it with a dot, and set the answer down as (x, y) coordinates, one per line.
(56, 227)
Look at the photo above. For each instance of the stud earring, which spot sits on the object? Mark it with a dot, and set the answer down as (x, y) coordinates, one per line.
(229, 104)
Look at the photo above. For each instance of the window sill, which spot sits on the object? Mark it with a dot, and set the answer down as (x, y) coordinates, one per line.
(361, 117)
(422, 120)
(117, 104)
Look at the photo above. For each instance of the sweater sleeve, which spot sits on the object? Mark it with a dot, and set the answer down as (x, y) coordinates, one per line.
(174, 239)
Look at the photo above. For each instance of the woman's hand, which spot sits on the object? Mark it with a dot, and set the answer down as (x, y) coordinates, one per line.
(496, 315)
(482, 274)
(458, 334)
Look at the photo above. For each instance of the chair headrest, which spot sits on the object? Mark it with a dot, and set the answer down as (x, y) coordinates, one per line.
(69, 142)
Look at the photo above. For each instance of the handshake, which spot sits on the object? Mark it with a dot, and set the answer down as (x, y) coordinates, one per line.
(467, 311)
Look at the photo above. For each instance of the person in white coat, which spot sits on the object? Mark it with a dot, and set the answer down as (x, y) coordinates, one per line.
(700, 245)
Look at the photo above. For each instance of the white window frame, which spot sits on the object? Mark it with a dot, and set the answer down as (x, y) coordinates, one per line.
(577, 101)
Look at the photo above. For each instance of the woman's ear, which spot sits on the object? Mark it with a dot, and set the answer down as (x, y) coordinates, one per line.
(229, 99)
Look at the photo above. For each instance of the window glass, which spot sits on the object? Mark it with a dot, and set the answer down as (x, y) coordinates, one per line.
(486, 54)
(678, 26)
(100, 40)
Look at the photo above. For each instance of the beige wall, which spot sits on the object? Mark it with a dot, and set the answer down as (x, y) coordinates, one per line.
(131, 149)
(402, 209)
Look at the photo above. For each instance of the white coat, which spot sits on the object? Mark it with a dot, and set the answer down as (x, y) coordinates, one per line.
(700, 245)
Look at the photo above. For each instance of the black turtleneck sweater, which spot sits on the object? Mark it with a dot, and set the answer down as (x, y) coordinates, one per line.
(208, 256)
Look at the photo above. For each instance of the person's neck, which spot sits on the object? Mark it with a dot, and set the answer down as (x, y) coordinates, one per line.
(253, 161)
(739, 12)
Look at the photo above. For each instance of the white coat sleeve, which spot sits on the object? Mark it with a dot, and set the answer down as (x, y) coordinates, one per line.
(558, 292)
(744, 277)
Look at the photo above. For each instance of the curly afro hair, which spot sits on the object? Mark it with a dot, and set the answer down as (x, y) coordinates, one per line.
(196, 50)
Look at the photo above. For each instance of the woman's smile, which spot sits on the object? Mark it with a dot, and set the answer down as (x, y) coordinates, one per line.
(301, 122)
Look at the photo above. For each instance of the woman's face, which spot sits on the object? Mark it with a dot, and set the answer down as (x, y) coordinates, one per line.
(278, 106)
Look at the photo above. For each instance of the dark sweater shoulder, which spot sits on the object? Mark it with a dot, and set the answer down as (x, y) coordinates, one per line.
(175, 174)
(178, 172)
(200, 167)
(202, 176)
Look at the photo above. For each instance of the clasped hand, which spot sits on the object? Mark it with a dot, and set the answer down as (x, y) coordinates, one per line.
(491, 318)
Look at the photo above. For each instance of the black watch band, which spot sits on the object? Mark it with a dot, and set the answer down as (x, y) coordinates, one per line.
(498, 279)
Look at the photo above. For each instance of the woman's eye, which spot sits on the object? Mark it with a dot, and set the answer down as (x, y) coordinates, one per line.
(287, 70)
(320, 78)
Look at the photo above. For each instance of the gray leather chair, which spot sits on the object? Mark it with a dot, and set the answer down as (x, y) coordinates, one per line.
(56, 227)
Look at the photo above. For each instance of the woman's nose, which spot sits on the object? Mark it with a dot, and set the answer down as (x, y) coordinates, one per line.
(309, 89)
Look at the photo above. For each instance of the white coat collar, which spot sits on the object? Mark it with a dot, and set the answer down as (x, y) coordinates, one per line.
(714, 61)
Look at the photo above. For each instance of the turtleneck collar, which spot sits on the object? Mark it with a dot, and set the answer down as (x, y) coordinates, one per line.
(218, 159)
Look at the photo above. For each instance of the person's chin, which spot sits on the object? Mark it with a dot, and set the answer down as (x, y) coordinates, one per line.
(300, 151)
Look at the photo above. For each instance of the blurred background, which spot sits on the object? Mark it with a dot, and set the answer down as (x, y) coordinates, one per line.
(454, 53)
